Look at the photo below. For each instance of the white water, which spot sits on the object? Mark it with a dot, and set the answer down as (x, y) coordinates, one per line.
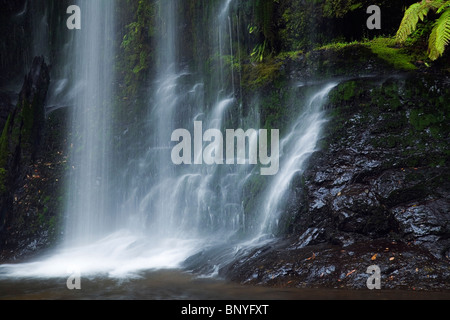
(87, 209)
(166, 213)
(120, 255)
(295, 148)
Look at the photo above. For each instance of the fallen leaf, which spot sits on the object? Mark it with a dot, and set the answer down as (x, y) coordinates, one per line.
(391, 258)
(374, 257)
(312, 257)
(350, 272)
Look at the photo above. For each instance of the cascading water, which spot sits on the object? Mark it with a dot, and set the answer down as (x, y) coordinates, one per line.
(296, 147)
(87, 209)
(166, 213)
(183, 201)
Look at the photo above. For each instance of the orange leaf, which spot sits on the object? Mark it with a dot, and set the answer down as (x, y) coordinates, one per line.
(374, 257)
(350, 272)
(312, 257)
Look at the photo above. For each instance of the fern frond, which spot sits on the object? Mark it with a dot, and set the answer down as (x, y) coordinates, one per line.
(440, 36)
(443, 6)
(409, 22)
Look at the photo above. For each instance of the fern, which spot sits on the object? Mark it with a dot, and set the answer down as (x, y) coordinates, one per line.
(411, 18)
(444, 6)
(440, 35)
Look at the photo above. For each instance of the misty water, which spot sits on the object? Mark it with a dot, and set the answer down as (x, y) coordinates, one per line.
(164, 213)
(132, 223)
(146, 213)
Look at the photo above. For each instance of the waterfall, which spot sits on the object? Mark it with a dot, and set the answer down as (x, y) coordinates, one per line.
(159, 214)
(87, 210)
(296, 147)
(184, 201)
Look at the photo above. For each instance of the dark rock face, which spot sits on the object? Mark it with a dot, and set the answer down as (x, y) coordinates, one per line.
(25, 218)
(23, 129)
(5, 108)
(31, 108)
(385, 171)
(378, 193)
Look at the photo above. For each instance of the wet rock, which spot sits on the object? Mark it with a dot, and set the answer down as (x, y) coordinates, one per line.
(403, 266)
(26, 221)
(5, 108)
(378, 193)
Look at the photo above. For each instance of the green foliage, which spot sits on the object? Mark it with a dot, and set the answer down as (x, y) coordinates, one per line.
(264, 11)
(299, 24)
(137, 51)
(263, 29)
(257, 54)
(440, 35)
(339, 8)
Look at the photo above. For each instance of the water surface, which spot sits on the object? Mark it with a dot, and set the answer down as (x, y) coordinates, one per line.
(177, 285)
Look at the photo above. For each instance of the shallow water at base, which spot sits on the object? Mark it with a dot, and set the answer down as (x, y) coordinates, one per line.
(178, 285)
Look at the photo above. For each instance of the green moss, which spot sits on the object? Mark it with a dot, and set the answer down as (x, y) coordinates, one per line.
(385, 49)
(258, 75)
(289, 55)
(338, 45)
(135, 59)
(343, 94)
(422, 120)
(347, 91)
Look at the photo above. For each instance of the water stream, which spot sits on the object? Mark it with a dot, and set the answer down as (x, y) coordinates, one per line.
(166, 213)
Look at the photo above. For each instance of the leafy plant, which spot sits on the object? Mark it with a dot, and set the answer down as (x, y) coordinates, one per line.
(257, 54)
(440, 34)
